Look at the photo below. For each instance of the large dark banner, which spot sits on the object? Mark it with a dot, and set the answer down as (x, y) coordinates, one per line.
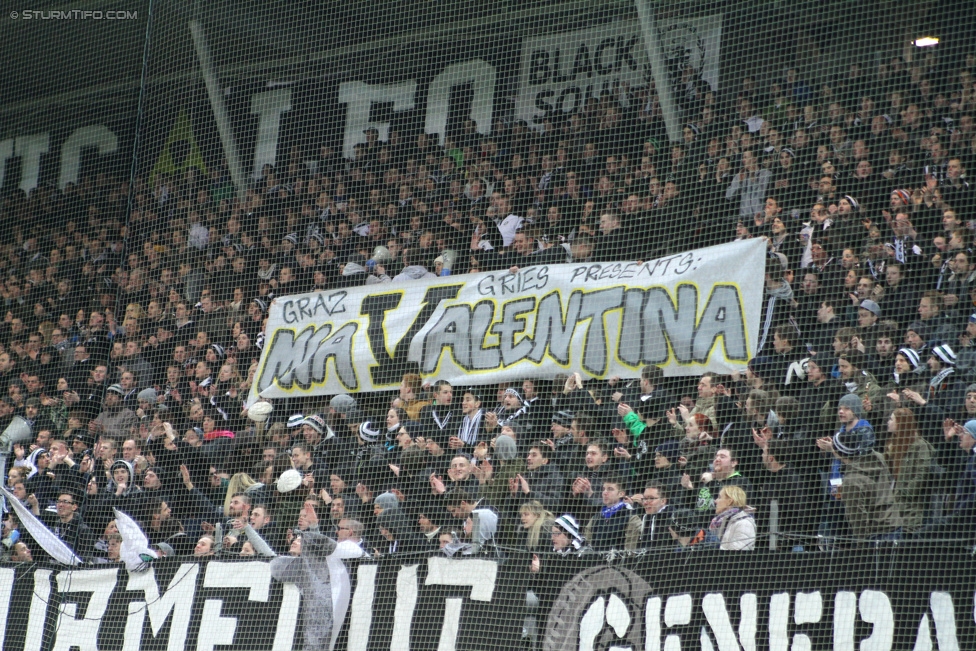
(434, 90)
(417, 604)
(903, 597)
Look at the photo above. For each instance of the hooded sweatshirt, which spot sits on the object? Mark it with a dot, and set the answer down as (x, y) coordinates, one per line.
(413, 272)
(310, 573)
(356, 271)
(405, 539)
(132, 500)
(484, 526)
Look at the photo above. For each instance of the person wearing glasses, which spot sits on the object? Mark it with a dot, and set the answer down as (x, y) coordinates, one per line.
(67, 524)
(351, 530)
(656, 516)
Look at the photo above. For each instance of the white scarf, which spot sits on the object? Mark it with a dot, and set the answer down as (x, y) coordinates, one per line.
(470, 426)
(440, 423)
(940, 377)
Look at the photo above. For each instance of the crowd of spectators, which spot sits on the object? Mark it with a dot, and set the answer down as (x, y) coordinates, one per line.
(134, 312)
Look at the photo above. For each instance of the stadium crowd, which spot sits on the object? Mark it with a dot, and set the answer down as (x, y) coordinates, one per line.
(133, 316)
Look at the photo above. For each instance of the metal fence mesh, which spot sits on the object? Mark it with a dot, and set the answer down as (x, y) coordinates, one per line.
(444, 324)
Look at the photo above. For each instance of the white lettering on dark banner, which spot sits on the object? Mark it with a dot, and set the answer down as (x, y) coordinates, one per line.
(177, 600)
(455, 603)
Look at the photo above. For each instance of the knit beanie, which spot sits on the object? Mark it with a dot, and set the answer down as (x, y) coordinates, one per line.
(505, 448)
(568, 523)
(910, 356)
(367, 433)
(945, 354)
(853, 402)
(855, 442)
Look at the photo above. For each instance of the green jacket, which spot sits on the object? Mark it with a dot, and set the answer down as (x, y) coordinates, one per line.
(869, 501)
(911, 485)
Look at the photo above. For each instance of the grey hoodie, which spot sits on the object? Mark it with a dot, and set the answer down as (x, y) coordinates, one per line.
(354, 268)
(130, 481)
(413, 272)
(484, 526)
(310, 572)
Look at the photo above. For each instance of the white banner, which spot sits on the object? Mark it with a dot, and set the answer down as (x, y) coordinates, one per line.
(559, 71)
(688, 313)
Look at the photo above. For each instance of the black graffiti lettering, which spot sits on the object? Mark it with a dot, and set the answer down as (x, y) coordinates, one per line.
(610, 272)
(287, 352)
(556, 76)
(598, 57)
(452, 331)
(628, 271)
(543, 277)
(389, 367)
(592, 271)
(287, 315)
(302, 360)
(483, 358)
(525, 280)
(486, 286)
(577, 95)
(577, 272)
(553, 329)
(332, 304)
(533, 278)
(625, 53)
(582, 64)
(306, 308)
(511, 325)
(376, 307)
(338, 349)
(645, 270)
(539, 67)
(462, 330)
(666, 262)
(685, 263)
(594, 307)
(541, 103)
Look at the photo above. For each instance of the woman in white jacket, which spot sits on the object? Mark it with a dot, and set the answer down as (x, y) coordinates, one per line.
(733, 525)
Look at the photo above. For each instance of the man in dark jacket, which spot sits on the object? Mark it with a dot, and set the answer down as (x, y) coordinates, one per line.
(779, 483)
(615, 524)
(586, 497)
(570, 449)
(818, 399)
(960, 520)
(725, 472)
(540, 482)
(67, 525)
(615, 242)
(657, 514)
(438, 420)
